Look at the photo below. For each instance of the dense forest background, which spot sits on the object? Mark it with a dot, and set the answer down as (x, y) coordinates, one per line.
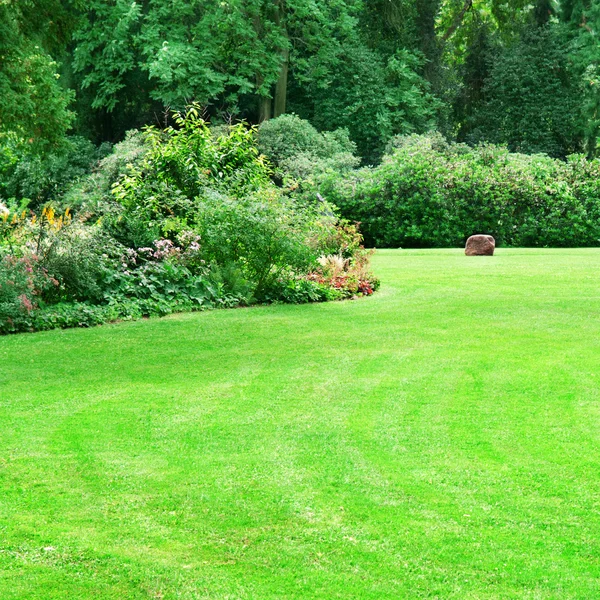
(521, 73)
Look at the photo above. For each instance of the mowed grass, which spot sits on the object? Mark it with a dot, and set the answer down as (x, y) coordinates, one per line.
(440, 439)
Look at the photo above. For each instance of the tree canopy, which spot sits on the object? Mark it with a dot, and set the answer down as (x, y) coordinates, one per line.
(521, 73)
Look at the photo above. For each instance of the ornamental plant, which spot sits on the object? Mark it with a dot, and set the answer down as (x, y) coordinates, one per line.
(192, 220)
(22, 281)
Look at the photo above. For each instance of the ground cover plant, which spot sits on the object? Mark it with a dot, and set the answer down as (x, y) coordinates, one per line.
(437, 440)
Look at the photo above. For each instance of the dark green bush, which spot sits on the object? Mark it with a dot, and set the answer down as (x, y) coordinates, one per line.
(92, 194)
(430, 193)
(298, 150)
(532, 96)
(302, 291)
(25, 173)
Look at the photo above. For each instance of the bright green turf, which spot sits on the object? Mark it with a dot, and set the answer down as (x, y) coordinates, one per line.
(438, 440)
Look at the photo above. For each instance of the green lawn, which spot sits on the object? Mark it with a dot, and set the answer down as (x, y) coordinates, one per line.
(440, 439)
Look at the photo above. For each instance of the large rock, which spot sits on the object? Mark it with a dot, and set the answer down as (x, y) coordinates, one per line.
(480, 245)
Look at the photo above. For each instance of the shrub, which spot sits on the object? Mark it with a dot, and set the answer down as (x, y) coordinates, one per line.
(165, 273)
(83, 314)
(215, 184)
(338, 237)
(79, 257)
(25, 173)
(21, 282)
(74, 255)
(431, 193)
(302, 291)
(77, 314)
(182, 219)
(348, 276)
(93, 194)
(265, 235)
(299, 151)
(184, 163)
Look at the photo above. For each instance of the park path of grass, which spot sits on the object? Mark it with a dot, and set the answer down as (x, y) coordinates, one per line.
(437, 440)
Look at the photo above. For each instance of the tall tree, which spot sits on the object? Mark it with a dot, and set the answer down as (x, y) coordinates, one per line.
(532, 100)
(217, 54)
(583, 18)
(34, 105)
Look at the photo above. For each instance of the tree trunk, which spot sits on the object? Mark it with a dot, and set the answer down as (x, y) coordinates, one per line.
(282, 80)
(281, 86)
(264, 108)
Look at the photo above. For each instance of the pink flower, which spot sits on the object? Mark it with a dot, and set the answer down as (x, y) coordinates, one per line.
(26, 302)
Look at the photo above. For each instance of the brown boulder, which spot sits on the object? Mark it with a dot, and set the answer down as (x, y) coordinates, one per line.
(480, 245)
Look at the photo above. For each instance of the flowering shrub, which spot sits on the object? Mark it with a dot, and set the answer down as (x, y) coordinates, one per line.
(194, 222)
(22, 281)
(161, 277)
(337, 237)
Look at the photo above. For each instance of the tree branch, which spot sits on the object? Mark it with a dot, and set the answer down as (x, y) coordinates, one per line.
(458, 20)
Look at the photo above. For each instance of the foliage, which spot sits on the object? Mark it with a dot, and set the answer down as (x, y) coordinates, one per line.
(167, 275)
(65, 315)
(182, 163)
(344, 239)
(349, 276)
(79, 257)
(299, 151)
(34, 105)
(431, 193)
(22, 280)
(265, 236)
(373, 96)
(92, 195)
(73, 274)
(521, 73)
(40, 178)
(185, 218)
(583, 19)
(302, 291)
(215, 183)
(162, 54)
(531, 96)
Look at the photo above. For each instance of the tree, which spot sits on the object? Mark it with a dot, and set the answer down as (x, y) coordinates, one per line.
(532, 101)
(583, 18)
(34, 105)
(156, 53)
(371, 96)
